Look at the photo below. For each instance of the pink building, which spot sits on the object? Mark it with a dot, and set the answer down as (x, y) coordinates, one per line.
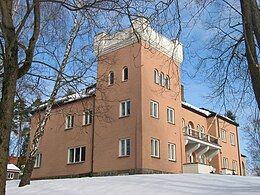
(135, 119)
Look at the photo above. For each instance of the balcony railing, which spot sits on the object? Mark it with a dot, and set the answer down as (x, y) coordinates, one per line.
(201, 135)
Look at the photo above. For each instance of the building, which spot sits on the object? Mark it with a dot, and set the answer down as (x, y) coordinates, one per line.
(13, 172)
(135, 119)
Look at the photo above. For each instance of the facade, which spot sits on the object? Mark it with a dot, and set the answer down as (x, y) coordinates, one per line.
(135, 119)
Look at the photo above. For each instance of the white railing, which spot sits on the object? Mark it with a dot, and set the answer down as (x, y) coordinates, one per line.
(201, 135)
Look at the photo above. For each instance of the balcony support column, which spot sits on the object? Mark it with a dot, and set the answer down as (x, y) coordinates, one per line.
(192, 148)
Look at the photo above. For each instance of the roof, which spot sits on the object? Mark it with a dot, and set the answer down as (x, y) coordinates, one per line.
(86, 93)
(12, 167)
(207, 113)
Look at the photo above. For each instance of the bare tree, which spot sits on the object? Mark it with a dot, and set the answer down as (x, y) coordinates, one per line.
(252, 132)
(24, 23)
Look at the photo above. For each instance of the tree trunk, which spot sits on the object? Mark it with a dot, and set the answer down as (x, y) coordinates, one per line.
(26, 178)
(27, 174)
(10, 63)
(251, 31)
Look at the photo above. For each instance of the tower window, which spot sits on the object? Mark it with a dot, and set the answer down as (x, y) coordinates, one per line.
(111, 78)
(125, 74)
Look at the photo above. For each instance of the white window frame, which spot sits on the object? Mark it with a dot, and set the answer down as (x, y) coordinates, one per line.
(232, 139)
(69, 121)
(155, 148)
(123, 108)
(162, 79)
(124, 148)
(170, 115)
(225, 163)
(109, 78)
(167, 82)
(172, 151)
(74, 154)
(234, 165)
(223, 135)
(123, 74)
(154, 109)
(38, 160)
(10, 175)
(87, 117)
(156, 76)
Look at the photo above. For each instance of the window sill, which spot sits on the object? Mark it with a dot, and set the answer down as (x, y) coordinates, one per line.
(75, 163)
(86, 124)
(68, 128)
(124, 116)
(224, 141)
(154, 117)
(233, 145)
(171, 123)
(124, 80)
(172, 160)
(156, 157)
(125, 156)
(36, 167)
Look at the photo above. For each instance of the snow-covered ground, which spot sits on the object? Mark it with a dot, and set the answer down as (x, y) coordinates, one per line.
(142, 184)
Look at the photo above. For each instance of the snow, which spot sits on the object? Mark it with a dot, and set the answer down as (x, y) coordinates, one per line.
(205, 112)
(12, 167)
(141, 184)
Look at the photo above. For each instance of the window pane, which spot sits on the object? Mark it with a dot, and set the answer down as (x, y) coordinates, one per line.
(128, 107)
(83, 153)
(151, 108)
(71, 157)
(152, 147)
(128, 147)
(77, 155)
(122, 147)
(125, 73)
(90, 117)
(123, 108)
(155, 110)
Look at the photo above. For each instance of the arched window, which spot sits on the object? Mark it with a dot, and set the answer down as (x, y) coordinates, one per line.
(162, 79)
(190, 127)
(111, 78)
(156, 76)
(199, 131)
(167, 82)
(125, 74)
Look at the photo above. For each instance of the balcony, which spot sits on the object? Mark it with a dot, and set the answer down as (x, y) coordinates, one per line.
(201, 143)
(198, 168)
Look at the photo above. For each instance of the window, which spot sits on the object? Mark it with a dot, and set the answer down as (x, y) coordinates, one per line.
(77, 154)
(38, 160)
(87, 117)
(170, 115)
(189, 128)
(162, 79)
(154, 109)
(167, 82)
(155, 148)
(69, 121)
(124, 147)
(172, 152)
(156, 76)
(234, 165)
(10, 175)
(125, 74)
(111, 78)
(223, 135)
(232, 139)
(225, 163)
(125, 108)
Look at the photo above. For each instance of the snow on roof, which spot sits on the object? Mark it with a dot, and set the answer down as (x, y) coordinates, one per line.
(12, 167)
(73, 97)
(205, 112)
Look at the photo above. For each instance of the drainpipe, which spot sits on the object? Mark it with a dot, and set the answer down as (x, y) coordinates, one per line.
(93, 136)
(220, 140)
(239, 155)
